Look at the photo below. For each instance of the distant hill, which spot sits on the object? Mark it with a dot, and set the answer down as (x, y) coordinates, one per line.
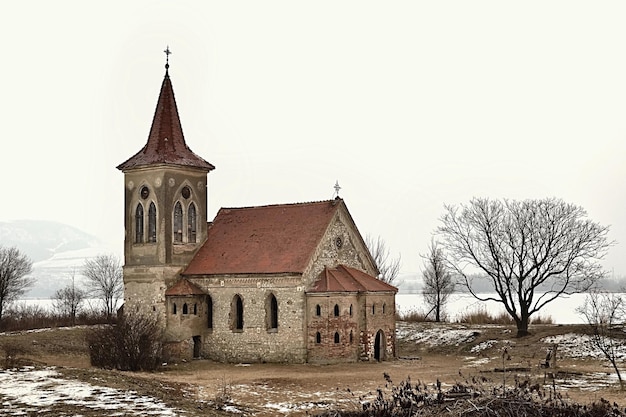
(56, 249)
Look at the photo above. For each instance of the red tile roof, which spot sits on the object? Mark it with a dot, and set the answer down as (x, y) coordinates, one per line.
(166, 143)
(344, 278)
(184, 287)
(264, 239)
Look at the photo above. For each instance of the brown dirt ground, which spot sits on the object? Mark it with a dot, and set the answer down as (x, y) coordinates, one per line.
(266, 389)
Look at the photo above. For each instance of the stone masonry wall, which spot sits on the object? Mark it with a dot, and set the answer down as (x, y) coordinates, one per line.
(256, 342)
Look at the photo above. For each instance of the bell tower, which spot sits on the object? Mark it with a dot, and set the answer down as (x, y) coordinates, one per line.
(165, 206)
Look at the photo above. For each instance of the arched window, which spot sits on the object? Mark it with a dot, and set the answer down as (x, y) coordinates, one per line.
(336, 310)
(336, 337)
(318, 310)
(318, 337)
(178, 222)
(236, 313)
(195, 309)
(350, 310)
(174, 309)
(191, 223)
(209, 308)
(139, 224)
(185, 309)
(271, 312)
(152, 223)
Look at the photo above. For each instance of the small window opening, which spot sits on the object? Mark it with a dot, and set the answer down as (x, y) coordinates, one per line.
(318, 310)
(350, 310)
(384, 306)
(185, 309)
(174, 309)
(336, 337)
(351, 337)
(195, 309)
(336, 310)
(318, 338)
(373, 309)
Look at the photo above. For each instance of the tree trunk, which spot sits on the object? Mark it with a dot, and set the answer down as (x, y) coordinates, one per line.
(522, 325)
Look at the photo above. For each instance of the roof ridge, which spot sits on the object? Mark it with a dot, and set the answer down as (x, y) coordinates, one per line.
(302, 203)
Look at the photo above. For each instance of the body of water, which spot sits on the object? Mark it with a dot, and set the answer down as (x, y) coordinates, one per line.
(562, 310)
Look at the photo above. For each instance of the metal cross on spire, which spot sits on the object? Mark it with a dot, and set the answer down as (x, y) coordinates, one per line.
(167, 58)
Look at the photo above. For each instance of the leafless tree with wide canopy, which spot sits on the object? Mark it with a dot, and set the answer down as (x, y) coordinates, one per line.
(531, 251)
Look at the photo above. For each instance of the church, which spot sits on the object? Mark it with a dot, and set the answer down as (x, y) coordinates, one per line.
(289, 283)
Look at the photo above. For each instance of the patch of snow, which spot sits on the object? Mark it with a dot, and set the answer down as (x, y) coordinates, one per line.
(437, 336)
(575, 345)
(483, 346)
(26, 388)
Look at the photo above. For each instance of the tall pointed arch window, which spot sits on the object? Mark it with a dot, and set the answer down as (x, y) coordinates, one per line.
(271, 312)
(152, 222)
(236, 314)
(178, 222)
(191, 223)
(139, 223)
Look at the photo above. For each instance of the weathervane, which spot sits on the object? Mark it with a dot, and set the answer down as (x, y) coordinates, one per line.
(337, 188)
(167, 58)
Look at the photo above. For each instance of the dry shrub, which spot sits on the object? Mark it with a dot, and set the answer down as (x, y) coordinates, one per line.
(133, 344)
(475, 398)
(21, 316)
(12, 351)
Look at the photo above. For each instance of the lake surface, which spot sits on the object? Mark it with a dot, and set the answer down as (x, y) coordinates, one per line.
(562, 310)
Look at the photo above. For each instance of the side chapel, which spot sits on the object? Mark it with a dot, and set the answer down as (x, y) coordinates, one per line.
(275, 283)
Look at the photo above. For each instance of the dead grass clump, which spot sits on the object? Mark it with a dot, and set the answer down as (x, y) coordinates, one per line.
(475, 398)
(482, 316)
(413, 316)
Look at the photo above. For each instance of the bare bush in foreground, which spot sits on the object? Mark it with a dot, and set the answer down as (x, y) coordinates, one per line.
(132, 344)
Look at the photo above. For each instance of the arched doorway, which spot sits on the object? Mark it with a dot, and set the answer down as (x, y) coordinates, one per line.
(379, 346)
(197, 346)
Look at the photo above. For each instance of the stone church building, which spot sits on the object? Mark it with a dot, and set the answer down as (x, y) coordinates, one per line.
(276, 283)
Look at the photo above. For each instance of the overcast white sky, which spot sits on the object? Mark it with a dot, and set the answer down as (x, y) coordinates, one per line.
(409, 105)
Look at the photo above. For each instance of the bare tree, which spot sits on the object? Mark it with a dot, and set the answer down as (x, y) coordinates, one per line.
(14, 280)
(606, 315)
(105, 281)
(388, 268)
(530, 251)
(68, 300)
(438, 280)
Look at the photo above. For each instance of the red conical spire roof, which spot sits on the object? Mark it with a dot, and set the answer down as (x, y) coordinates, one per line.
(166, 143)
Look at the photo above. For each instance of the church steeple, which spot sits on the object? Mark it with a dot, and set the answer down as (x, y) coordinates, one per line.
(166, 142)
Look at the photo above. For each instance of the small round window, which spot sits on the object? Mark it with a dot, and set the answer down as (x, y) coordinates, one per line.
(186, 192)
(145, 192)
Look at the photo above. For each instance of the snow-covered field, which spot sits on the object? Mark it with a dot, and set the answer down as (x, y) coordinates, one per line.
(28, 390)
